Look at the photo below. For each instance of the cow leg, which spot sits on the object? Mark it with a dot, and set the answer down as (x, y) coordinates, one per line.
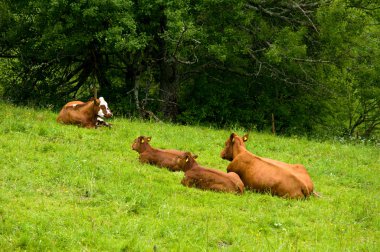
(100, 122)
(184, 182)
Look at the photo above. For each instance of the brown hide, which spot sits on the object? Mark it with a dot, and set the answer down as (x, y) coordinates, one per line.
(82, 114)
(154, 156)
(264, 174)
(208, 179)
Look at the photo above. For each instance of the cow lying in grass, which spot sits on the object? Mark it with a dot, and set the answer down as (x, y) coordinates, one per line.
(86, 114)
(264, 174)
(206, 178)
(154, 156)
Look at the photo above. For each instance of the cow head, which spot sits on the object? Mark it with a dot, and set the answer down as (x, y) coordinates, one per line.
(186, 161)
(104, 110)
(234, 140)
(140, 143)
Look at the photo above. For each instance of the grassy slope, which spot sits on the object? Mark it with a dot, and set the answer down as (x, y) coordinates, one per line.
(68, 188)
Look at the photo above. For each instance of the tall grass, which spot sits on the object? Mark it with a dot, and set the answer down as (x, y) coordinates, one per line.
(69, 188)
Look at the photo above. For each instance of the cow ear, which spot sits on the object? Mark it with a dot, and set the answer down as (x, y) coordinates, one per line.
(232, 138)
(149, 138)
(245, 138)
(195, 156)
(142, 140)
(187, 155)
(96, 101)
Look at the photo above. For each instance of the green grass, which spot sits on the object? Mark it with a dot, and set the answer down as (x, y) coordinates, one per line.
(69, 188)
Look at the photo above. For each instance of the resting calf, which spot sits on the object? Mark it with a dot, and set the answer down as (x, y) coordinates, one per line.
(158, 157)
(208, 179)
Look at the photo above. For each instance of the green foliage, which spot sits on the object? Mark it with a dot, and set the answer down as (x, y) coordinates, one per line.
(354, 77)
(78, 189)
(313, 64)
(66, 47)
(288, 45)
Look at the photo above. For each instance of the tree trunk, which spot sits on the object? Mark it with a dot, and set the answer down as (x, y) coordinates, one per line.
(168, 90)
(168, 74)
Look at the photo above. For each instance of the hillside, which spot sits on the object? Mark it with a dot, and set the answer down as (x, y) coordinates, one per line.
(68, 188)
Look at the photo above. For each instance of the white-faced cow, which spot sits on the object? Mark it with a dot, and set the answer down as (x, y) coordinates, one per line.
(264, 174)
(86, 114)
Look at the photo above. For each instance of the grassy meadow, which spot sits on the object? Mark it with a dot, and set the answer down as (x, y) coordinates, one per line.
(74, 189)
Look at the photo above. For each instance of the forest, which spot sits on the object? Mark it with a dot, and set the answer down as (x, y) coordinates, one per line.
(307, 67)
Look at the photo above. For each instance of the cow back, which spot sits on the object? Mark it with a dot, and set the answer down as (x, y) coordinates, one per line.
(161, 159)
(69, 114)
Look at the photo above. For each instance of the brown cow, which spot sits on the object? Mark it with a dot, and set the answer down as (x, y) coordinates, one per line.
(264, 174)
(158, 157)
(86, 114)
(208, 179)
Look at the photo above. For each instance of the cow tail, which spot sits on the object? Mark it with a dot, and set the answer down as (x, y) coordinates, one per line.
(305, 190)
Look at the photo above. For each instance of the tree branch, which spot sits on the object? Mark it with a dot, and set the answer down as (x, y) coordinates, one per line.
(304, 13)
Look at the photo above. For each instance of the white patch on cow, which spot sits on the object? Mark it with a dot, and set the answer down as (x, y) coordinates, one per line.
(103, 102)
(100, 119)
(71, 105)
(100, 113)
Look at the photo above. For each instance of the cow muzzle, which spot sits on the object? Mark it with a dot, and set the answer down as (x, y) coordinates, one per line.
(223, 155)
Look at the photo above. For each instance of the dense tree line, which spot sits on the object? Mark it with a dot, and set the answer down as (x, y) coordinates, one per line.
(313, 66)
